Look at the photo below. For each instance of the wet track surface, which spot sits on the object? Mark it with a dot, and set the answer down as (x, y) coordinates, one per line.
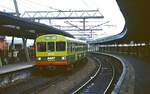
(100, 83)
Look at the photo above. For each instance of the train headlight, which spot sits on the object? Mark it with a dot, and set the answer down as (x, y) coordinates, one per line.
(63, 58)
(39, 58)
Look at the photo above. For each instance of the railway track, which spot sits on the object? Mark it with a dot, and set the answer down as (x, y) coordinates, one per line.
(104, 78)
(38, 81)
(30, 84)
(99, 82)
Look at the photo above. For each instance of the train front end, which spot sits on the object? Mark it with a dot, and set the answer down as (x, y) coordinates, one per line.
(50, 51)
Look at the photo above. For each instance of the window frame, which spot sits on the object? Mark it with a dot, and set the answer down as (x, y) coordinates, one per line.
(53, 46)
(37, 48)
(64, 49)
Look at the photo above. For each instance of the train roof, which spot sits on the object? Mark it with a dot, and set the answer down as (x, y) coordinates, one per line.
(76, 40)
(67, 38)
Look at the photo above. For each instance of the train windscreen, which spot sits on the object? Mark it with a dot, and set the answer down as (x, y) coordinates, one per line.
(51, 46)
(60, 46)
(41, 46)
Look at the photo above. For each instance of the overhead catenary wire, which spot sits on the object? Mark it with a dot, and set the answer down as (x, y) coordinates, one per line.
(5, 7)
(42, 5)
(86, 4)
(32, 6)
(36, 3)
(27, 5)
(94, 4)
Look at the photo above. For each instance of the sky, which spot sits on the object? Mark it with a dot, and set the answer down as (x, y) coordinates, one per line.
(108, 8)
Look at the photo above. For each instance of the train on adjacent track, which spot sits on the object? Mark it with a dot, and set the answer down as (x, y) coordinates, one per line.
(58, 50)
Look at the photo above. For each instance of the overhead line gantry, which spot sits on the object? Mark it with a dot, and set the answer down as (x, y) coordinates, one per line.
(68, 16)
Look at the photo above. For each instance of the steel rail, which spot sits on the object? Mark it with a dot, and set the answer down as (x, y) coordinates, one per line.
(122, 77)
(111, 79)
(91, 78)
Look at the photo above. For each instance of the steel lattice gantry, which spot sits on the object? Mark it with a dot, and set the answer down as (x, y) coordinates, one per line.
(76, 14)
(72, 20)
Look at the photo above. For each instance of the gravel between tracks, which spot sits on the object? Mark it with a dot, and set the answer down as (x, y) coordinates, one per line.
(62, 87)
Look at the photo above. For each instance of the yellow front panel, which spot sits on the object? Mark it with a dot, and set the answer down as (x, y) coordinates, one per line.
(40, 54)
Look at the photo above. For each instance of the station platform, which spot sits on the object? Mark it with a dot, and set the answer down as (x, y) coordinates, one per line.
(16, 67)
(137, 78)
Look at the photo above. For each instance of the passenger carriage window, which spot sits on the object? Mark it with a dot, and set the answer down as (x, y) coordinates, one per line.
(71, 47)
(51, 46)
(41, 46)
(60, 46)
(68, 46)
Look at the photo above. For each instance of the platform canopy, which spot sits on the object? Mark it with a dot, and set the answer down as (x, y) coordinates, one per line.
(14, 26)
(137, 17)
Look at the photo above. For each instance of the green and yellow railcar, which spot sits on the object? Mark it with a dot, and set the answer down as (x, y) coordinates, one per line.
(57, 50)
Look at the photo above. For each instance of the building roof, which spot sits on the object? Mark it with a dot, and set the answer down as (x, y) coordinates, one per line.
(136, 13)
(19, 27)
